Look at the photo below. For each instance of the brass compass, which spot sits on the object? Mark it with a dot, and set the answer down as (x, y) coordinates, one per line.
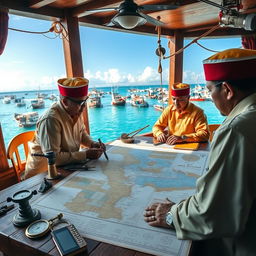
(41, 227)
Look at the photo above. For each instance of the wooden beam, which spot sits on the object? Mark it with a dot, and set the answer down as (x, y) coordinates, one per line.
(176, 61)
(40, 3)
(82, 10)
(18, 8)
(73, 53)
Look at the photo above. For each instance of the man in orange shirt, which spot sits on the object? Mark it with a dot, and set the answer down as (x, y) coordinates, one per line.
(185, 121)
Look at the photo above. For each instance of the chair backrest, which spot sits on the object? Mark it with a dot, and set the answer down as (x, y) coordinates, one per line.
(212, 128)
(13, 153)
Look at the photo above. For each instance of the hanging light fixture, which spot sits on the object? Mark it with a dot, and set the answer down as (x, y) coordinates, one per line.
(128, 20)
(128, 17)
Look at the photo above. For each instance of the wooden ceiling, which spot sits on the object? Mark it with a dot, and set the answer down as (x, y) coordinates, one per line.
(192, 18)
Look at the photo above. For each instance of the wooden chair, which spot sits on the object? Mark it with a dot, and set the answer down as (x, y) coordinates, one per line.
(212, 128)
(13, 152)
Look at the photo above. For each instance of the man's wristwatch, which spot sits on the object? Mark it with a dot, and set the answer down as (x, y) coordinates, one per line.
(169, 217)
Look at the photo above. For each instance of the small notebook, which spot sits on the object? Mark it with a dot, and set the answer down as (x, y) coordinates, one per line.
(187, 146)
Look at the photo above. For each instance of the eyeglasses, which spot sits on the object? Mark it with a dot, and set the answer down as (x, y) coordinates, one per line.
(180, 99)
(78, 102)
(219, 84)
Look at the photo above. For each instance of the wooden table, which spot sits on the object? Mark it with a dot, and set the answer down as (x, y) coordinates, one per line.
(14, 242)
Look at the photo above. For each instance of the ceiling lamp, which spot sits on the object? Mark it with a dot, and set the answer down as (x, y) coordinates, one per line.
(128, 20)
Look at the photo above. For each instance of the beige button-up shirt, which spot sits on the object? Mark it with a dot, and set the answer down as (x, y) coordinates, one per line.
(56, 131)
(223, 210)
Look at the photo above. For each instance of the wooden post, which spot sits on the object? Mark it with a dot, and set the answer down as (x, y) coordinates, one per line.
(176, 61)
(73, 54)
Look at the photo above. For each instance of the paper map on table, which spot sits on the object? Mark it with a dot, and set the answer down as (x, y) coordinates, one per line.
(107, 203)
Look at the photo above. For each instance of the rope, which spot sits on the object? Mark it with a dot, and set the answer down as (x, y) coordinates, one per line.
(56, 27)
(206, 48)
(193, 41)
(31, 32)
(160, 70)
(160, 54)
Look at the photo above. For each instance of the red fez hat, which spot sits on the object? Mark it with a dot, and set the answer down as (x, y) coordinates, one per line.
(180, 89)
(76, 87)
(231, 64)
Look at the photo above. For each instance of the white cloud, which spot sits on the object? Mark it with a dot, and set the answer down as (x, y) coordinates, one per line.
(192, 77)
(13, 79)
(114, 76)
(148, 74)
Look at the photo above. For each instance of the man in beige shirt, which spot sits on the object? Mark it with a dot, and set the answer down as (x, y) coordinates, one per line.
(61, 130)
(222, 212)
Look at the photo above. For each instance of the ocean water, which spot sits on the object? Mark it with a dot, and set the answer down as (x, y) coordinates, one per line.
(107, 123)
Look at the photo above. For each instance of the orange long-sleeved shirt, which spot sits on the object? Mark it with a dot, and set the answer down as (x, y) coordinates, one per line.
(191, 122)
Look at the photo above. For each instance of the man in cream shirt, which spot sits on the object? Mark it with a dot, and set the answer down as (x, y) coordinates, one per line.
(61, 130)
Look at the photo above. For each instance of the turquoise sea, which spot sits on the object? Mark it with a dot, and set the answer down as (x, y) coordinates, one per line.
(107, 123)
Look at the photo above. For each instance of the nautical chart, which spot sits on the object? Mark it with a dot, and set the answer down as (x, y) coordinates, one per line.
(107, 203)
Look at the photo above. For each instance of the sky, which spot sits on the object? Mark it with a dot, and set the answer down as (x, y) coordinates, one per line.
(34, 61)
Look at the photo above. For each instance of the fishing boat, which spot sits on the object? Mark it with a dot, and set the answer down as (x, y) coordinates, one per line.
(37, 103)
(159, 107)
(53, 97)
(199, 93)
(7, 100)
(28, 119)
(95, 102)
(117, 99)
(197, 98)
(20, 102)
(139, 101)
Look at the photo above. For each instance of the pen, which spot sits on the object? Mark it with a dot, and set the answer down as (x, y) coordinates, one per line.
(105, 154)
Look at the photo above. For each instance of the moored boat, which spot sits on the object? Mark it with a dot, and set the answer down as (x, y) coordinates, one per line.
(159, 107)
(199, 93)
(117, 99)
(7, 100)
(37, 103)
(26, 119)
(139, 101)
(195, 98)
(20, 102)
(95, 102)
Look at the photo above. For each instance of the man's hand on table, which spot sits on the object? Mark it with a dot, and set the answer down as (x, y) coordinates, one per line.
(161, 137)
(98, 145)
(155, 214)
(94, 153)
(173, 139)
